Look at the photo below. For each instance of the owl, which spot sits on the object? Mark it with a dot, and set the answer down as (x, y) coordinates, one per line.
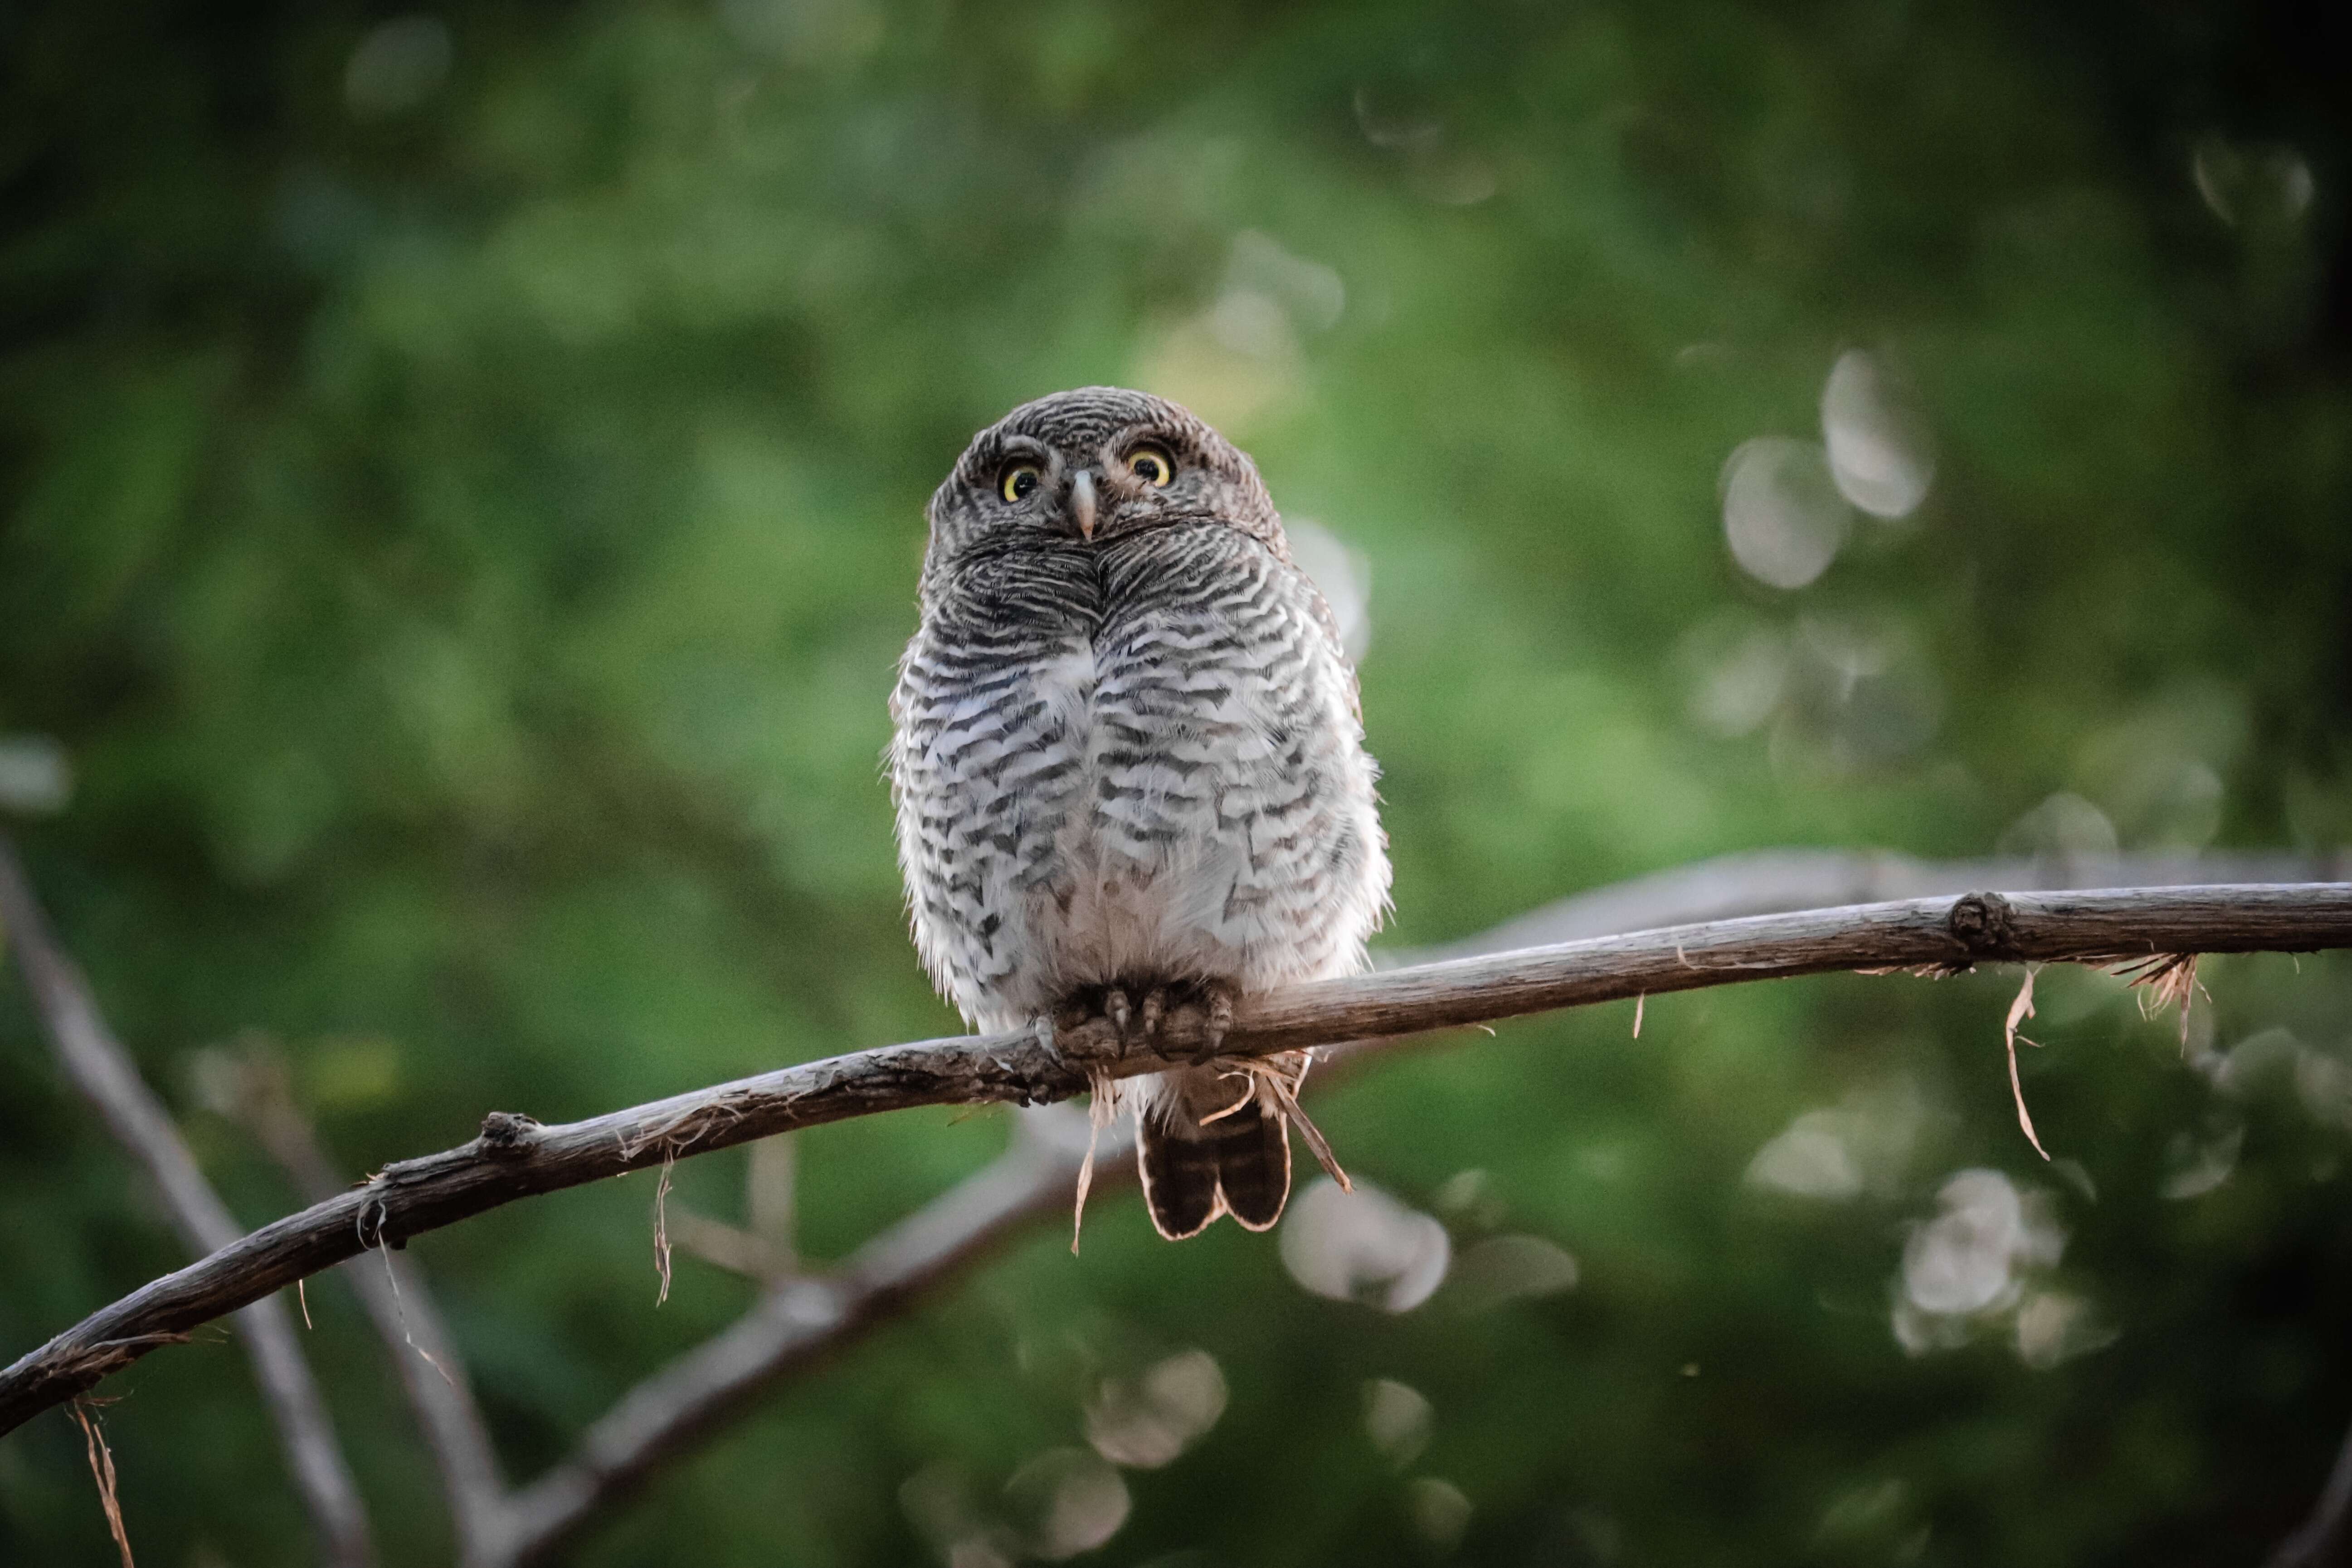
(1130, 771)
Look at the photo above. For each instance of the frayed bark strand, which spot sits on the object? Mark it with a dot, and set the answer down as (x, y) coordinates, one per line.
(102, 1470)
(2164, 980)
(661, 1228)
(1101, 1109)
(2019, 1011)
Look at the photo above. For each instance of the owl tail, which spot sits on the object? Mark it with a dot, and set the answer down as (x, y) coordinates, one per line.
(1212, 1142)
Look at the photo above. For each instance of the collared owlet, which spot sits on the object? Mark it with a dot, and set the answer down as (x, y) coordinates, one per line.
(1129, 766)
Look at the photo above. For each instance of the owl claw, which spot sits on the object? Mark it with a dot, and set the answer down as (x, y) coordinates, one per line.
(1155, 1007)
(1218, 1020)
(1119, 1011)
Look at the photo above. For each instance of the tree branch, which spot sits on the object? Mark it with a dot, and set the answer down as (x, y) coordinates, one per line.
(106, 1076)
(515, 1157)
(1770, 881)
(671, 1412)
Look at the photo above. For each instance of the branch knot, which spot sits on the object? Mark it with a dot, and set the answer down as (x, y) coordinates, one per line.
(507, 1134)
(1985, 924)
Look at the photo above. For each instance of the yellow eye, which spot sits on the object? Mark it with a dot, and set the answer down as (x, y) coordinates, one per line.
(1150, 465)
(1019, 481)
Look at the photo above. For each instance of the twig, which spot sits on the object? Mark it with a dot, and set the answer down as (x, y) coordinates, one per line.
(516, 1158)
(104, 1073)
(393, 1293)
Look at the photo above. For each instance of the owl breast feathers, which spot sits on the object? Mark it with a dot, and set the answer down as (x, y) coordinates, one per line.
(1127, 763)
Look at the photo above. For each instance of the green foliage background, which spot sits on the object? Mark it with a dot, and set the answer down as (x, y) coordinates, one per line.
(460, 526)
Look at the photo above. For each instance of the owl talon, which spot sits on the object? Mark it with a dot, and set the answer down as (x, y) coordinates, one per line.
(1155, 1007)
(1218, 1021)
(1119, 1011)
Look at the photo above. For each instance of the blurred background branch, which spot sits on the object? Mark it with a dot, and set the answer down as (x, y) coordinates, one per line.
(796, 1321)
(97, 1065)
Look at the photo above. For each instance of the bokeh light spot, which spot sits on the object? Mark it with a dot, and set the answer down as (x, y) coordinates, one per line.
(1782, 514)
(1363, 1245)
(1879, 452)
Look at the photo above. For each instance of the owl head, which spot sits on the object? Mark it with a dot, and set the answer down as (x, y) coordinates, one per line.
(1081, 468)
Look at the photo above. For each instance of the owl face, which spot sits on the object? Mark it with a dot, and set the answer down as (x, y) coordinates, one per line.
(1080, 468)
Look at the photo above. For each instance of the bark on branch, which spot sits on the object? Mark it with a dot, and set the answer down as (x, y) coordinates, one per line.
(515, 1157)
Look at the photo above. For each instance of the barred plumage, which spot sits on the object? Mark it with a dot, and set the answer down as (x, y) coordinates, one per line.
(1127, 763)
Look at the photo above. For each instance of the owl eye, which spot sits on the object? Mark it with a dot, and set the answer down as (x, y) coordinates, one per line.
(1018, 481)
(1151, 464)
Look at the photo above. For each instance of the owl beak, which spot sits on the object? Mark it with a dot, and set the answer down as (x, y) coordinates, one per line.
(1082, 504)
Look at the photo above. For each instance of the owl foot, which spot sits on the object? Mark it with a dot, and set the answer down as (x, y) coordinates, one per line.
(1138, 1025)
(1138, 1015)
